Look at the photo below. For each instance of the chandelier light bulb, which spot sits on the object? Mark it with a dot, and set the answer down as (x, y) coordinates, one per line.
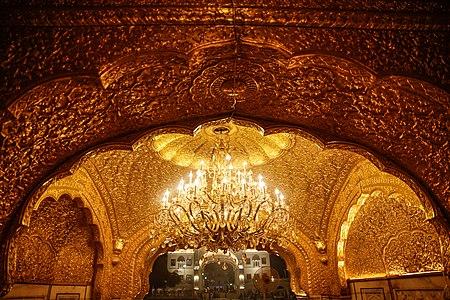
(224, 266)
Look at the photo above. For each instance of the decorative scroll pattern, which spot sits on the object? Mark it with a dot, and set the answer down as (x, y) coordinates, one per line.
(301, 13)
(318, 91)
(419, 294)
(412, 252)
(324, 93)
(310, 193)
(389, 236)
(361, 182)
(57, 247)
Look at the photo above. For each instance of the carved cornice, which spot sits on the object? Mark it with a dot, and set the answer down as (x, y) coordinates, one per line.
(225, 15)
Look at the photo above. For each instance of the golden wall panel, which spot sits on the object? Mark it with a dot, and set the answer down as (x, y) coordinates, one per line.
(308, 177)
(381, 228)
(412, 251)
(56, 248)
(135, 182)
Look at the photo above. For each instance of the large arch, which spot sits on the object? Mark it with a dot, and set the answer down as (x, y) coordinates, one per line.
(85, 97)
(84, 86)
(313, 253)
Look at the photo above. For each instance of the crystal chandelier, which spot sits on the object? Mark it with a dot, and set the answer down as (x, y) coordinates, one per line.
(221, 206)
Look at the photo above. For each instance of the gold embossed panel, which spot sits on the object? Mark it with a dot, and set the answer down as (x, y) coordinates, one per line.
(390, 237)
(56, 248)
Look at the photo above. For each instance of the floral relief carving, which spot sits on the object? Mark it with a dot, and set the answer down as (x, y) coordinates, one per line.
(76, 77)
(412, 252)
(31, 252)
(56, 248)
(325, 93)
(390, 236)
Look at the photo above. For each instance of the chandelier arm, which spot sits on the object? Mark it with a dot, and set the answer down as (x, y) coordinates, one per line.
(284, 213)
(207, 218)
(211, 198)
(258, 208)
(271, 218)
(250, 209)
(240, 213)
(171, 214)
(191, 216)
(231, 220)
(214, 224)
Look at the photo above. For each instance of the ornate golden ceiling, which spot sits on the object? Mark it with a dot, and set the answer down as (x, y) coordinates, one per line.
(339, 83)
(131, 183)
(123, 189)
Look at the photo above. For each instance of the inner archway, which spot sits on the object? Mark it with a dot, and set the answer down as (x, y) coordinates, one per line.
(220, 277)
(215, 275)
(323, 185)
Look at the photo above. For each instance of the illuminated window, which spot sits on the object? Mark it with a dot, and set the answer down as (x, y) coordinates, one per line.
(255, 260)
(181, 262)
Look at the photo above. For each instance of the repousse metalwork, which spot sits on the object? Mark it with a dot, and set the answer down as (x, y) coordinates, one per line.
(57, 247)
(340, 83)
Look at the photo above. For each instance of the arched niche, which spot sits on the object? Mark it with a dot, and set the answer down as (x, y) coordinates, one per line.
(379, 214)
(57, 244)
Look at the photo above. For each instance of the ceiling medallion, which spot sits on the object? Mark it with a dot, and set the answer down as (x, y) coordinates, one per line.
(221, 206)
(246, 140)
(231, 86)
